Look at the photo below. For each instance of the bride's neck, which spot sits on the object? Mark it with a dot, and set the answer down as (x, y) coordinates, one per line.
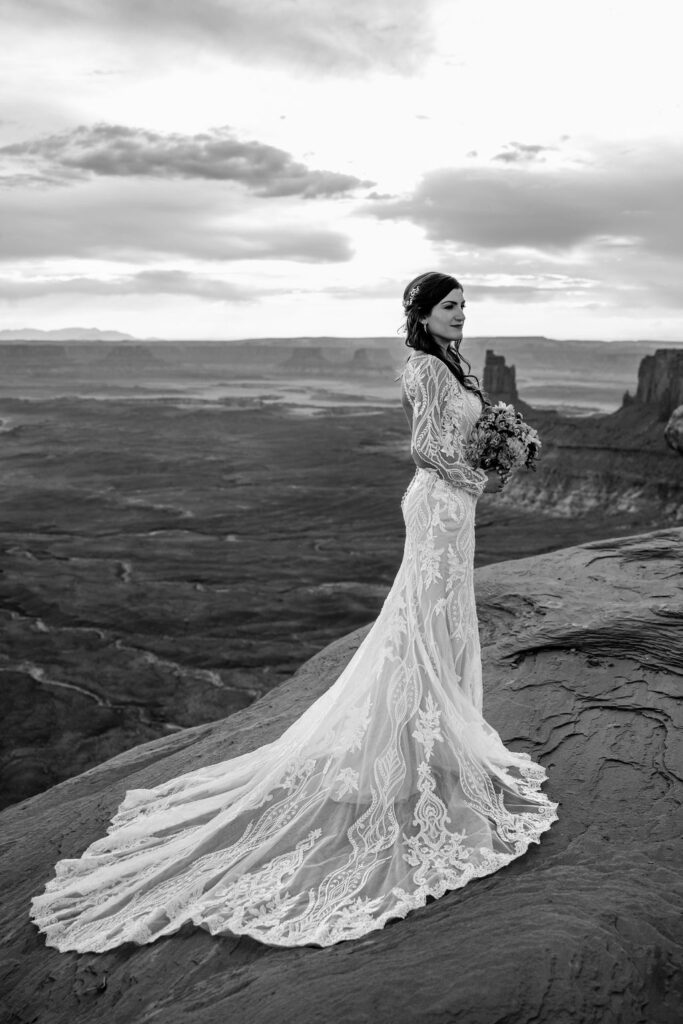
(446, 348)
(448, 354)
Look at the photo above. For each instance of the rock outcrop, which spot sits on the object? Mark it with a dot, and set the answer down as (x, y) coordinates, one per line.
(371, 360)
(673, 432)
(499, 380)
(583, 661)
(611, 465)
(660, 382)
(307, 361)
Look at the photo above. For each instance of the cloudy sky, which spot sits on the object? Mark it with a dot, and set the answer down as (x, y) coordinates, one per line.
(233, 168)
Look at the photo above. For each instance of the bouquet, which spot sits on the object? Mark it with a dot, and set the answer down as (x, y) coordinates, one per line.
(502, 440)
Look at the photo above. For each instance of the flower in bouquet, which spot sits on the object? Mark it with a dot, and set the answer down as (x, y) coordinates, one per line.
(502, 440)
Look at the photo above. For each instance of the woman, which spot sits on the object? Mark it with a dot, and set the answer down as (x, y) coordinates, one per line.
(389, 789)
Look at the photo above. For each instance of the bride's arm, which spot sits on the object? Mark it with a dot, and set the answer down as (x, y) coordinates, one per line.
(437, 439)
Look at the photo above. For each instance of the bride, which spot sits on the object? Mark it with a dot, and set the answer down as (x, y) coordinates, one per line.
(389, 789)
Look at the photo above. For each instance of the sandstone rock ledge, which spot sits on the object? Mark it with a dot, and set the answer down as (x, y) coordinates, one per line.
(583, 659)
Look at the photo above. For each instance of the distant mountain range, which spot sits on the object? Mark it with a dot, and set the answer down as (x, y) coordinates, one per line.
(538, 343)
(64, 334)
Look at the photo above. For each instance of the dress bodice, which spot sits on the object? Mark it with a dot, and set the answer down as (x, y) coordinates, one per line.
(442, 415)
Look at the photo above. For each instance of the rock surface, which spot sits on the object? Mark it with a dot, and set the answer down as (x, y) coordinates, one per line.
(660, 381)
(499, 380)
(673, 432)
(583, 662)
(609, 465)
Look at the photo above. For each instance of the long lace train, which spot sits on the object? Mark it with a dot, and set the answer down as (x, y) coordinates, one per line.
(390, 788)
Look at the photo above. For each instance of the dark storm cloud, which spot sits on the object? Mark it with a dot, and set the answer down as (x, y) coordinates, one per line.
(117, 151)
(628, 200)
(146, 282)
(321, 35)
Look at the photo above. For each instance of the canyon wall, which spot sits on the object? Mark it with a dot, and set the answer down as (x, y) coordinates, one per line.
(614, 464)
(660, 382)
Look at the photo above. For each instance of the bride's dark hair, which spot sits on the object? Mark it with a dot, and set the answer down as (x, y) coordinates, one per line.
(419, 298)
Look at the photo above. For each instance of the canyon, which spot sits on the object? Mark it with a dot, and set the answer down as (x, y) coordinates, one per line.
(614, 463)
(178, 534)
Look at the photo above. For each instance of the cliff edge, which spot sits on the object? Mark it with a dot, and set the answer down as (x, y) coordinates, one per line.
(583, 664)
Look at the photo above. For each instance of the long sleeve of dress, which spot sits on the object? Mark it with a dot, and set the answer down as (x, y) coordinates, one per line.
(442, 416)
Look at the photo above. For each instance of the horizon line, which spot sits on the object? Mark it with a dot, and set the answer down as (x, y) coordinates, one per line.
(300, 337)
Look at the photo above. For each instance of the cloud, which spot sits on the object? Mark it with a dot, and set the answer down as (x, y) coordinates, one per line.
(109, 150)
(517, 293)
(499, 287)
(183, 282)
(143, 220)
(622, 199)
(520, 152)
(146, 282)
(318, 35)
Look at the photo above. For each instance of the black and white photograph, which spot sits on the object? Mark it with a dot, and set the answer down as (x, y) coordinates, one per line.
(341, 512)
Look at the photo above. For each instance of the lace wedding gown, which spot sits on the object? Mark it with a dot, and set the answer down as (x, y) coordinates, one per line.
(390, 788)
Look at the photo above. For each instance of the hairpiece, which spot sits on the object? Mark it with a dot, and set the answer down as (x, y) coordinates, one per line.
(412, 295)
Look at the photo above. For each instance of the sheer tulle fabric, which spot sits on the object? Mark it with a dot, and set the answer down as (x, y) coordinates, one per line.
(391, 787)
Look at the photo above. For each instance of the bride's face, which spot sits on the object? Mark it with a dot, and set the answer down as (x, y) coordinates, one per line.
(446, 320)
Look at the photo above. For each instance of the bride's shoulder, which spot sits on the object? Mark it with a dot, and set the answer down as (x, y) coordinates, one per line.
(415, 367)
(427, 367)
(425, 361)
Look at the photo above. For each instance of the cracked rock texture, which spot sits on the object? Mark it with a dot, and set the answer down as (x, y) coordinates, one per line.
(583, 660)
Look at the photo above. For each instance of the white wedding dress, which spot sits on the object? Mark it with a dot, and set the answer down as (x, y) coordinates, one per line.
(390, 788)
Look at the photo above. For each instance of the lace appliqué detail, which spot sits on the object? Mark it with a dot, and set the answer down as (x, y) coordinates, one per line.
(347, 782)
(428, 731)
(435, 851)
(443, 416)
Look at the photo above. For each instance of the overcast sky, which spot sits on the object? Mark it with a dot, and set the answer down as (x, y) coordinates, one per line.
(245, 168)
